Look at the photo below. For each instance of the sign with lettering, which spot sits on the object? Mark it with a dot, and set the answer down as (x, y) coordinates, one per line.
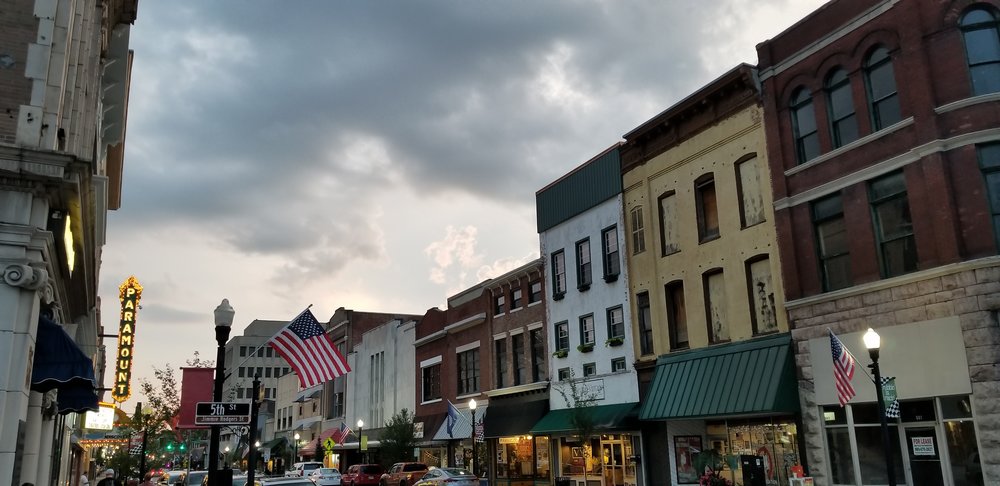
(222, 413)
(129, 294)
(102, 419)
(922, 446)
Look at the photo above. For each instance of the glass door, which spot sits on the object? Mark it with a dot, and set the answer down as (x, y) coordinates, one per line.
(924, 453)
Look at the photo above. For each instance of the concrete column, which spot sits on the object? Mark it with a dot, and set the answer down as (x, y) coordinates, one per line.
(46, 450)
(32, 440)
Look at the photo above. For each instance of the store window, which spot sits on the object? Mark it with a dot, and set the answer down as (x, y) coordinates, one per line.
(521, 459)
(774, 440)
(604, 459)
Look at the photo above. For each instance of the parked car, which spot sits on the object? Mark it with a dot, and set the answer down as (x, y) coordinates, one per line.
(363, 475)
(194, 478)
(404, 474)
(302, 469)
(172, 478)
(451, 476)
(284, 482)
(325, 476)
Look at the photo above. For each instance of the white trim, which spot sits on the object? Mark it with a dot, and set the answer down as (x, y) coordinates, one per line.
(515, 310)
(851, 146)
(467, 395)
(501, 336)
(827, 40)
(465, 347)
(430, 337)
(534, 303)
(431, 361)
(515, 332)
(535, 325)
(465, 323)
(517, 389)
(430, 401)
(966, 102)
(886, 166)
(894, 281)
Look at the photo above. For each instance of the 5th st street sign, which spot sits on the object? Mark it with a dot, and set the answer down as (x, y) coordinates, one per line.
(222, 413)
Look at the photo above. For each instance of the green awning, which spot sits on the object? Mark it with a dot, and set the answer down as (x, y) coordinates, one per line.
(606, 417)
(273, 443)
(748, 378)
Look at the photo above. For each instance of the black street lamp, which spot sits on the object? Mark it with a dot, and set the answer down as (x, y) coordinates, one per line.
(223, 324)
(296, 437)
(361, 454)
(472, 461)
(873, 342)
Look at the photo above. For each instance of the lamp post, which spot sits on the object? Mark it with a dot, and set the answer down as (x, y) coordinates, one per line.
(361, 454)
(472, 461)
(873, 342)
(296, 437)
(223, 323)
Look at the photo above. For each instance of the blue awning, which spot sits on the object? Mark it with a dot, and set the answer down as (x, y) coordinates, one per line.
(59, 364)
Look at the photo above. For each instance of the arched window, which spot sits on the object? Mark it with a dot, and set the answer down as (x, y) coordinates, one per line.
(804, 126)
(981, 32)
(843, 123)
(883, 101)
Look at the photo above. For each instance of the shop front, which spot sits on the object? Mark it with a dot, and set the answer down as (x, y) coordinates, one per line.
(460, 450)
(730, 410)
(433, 453)
(515, 457)
(606, 458)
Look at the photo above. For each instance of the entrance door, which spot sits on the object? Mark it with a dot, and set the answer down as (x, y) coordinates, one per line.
(613, 461)
(925, 456)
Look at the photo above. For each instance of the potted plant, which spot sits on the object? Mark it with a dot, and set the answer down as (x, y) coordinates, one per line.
(615, 341)
(561, 353)
(585, 348)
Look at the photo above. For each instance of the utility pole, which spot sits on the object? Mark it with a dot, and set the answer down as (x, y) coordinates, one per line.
(252, 456)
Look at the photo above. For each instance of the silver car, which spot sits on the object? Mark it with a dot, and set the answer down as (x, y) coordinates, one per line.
(325, 476)
(452, 476)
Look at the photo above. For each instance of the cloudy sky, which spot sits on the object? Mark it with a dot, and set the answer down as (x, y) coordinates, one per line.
(376, 155)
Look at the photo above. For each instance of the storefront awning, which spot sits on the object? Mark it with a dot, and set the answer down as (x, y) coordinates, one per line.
(60, 364)
(462, 429)
(273, 443)
(741, 379)
(307, 422)
(515, 418)
(619, 416)
(306, 395)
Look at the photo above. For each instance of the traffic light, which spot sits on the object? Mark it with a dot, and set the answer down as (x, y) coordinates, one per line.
(183, 446)
(170, 447)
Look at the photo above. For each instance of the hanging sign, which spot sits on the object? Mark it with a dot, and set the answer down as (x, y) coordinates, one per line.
(129, 294)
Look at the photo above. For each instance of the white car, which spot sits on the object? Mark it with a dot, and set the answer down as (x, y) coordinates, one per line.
(325, 476)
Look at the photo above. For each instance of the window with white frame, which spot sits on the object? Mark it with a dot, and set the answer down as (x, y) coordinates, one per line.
(558, 274)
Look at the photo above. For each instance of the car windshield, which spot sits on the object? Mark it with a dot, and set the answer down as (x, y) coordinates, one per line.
(195, 477)
(454, 471)
(327, 470)
(414, 467)
(371, 469)
(239, 480)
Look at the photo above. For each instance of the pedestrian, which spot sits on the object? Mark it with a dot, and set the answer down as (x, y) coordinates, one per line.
(107, 478)
(83, 480)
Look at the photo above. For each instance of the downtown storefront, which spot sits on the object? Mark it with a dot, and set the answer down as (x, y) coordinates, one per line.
(732, 408)
(514, 455)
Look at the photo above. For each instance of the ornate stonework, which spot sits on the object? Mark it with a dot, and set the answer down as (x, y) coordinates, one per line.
(25, 276)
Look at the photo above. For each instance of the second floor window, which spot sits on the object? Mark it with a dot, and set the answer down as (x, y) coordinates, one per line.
(609, 249)
(638, 231)
(587, 335)
(989, 162)
(468, 371)
(432, 382)
(981, 32)
(715, 307)
(537, 355)
(583, 273)
(880, 81)
(558, 274)
(843, 123)
(562, 336)
(498, 304)
(804, 126)
(500, 352)
(515, 299)
(893, 225)
(676, 315)
(831, 242)
(763, 313)
(616, 323)
(645, 323)
(749, 188)
(520, 363)
(536, 292)
(669, 231)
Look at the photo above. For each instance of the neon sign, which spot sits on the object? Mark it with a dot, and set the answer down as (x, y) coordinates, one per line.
(129, 294)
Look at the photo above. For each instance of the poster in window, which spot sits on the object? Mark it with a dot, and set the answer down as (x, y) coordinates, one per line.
(686, 447)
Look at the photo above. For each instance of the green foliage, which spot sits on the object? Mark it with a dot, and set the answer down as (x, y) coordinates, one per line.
(396, 440)
(579, 401)
(163, 400)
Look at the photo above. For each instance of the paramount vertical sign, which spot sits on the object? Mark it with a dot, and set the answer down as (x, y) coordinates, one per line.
(129, 294)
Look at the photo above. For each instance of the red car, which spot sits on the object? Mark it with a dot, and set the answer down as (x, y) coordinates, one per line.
(362, 475)
(404, 474)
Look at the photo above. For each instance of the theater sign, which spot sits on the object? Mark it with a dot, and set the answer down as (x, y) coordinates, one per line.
(129, 294)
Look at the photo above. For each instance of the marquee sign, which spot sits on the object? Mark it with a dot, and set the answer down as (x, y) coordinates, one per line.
(129, 294)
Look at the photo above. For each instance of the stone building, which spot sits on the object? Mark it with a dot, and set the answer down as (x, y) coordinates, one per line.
(883, 137)
(65, 70)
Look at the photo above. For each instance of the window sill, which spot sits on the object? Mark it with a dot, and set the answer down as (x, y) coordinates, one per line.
(709, 238)
(468, 395)
(583, 288)
(680, 348)
(668, 253)
(611, 278)
(428, 402)
(558, 296)
(615, 342)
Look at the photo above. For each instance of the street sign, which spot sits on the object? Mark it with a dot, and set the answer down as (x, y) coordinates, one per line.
(222, 413)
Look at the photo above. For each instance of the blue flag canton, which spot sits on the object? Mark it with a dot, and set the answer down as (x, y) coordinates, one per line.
(452, 418)
(306, 326)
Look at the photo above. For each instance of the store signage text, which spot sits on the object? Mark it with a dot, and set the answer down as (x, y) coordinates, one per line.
(129, 293)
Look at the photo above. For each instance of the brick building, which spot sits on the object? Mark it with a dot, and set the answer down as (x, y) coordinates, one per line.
(883, 136)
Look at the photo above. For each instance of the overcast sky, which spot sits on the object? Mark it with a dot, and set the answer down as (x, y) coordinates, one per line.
(376, 155)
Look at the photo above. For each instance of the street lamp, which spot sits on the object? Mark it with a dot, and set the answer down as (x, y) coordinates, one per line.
(873, 342)
(472, 461)
(223, 324)
(361, 425)
(296, 437)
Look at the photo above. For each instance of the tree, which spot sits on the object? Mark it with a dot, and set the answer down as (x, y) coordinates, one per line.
(397, 441)
(579, 401)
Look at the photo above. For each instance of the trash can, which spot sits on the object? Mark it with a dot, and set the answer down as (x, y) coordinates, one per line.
(564, 481)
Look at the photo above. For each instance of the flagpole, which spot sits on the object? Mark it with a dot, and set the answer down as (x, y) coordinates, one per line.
(252, 353)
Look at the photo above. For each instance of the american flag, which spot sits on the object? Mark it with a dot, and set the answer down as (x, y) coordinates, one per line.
(843, 370)
(309, 351)
(340, 435)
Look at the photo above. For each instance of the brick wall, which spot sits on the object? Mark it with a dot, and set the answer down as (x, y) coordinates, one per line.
(970, 291)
